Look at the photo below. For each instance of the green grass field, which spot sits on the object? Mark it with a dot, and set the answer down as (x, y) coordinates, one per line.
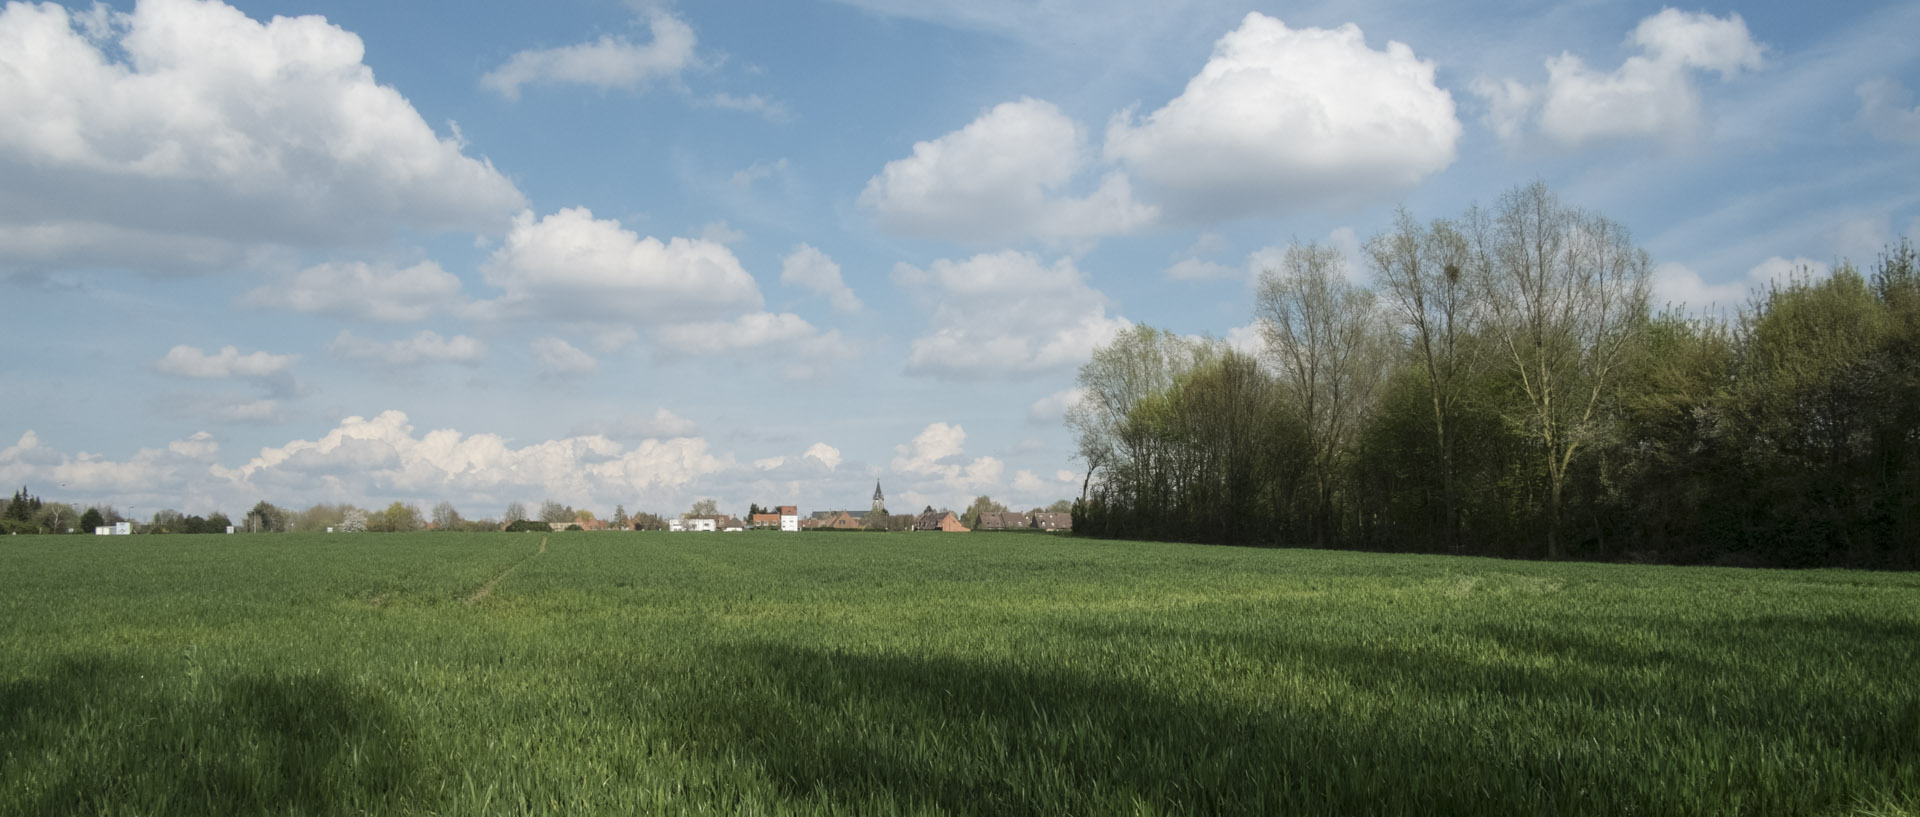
(985, 674)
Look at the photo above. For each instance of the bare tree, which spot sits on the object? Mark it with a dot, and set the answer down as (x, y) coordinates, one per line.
(1568, 290)
(704, 507)
(551, 511)
(1434, 281)
(516, 512)
(445, 517)
(1325, 338)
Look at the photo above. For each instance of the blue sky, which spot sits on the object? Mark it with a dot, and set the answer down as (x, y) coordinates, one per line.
(644, 252)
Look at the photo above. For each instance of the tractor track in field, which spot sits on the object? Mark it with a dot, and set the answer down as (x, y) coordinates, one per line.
(487, 589)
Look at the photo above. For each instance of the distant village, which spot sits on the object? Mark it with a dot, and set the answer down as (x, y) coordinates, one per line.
(787, 518)
(29, 514)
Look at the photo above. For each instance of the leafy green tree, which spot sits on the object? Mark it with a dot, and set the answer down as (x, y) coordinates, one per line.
(266, 518)
(620, 520)
(399, 517)
(981, 504)
(165, 520)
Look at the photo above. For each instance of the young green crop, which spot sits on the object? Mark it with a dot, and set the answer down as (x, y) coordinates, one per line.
(988, 674)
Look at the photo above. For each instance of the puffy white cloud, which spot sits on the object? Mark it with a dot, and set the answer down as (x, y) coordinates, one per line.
(191, 361)
(424, 347)
(1248, 340)
(1651, 94)
(557, 358)
(810, 268)
(572, 264)
(1053, 407)
(1282, 118)
(166, 475)
(1678, 285)
(935, 464)
(609, 62)
(190, 135)
(1887, 109)
(372, 461)
(1005, 314)
(1032, 490)
(1003, 176)
(378, 292)
(827, 455)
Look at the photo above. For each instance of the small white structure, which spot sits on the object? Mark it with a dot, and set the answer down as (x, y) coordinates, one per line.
(790, 522)
(115, 529)
(700, 525)
(103, 530)
(229, 528)
(676, 526)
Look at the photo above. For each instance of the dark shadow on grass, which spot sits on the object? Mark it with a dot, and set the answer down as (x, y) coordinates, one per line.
(92, 736)
(870, 733)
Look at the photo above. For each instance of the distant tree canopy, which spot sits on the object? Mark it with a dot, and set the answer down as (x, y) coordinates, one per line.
(1508, 390)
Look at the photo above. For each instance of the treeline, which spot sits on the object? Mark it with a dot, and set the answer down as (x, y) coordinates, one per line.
(26, 513)
(1504, 388)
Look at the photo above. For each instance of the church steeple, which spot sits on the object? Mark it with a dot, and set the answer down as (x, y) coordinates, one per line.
(879, 500)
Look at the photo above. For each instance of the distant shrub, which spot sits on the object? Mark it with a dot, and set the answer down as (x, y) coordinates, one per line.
(527, 526)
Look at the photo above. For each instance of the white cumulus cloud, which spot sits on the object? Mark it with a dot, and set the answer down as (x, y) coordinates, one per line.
(609, 62)
(1282, 118)
(186, 135)
(810, 268)
(827, 455)
(1651, 94)
(1005, 175)
(1678, 285)
(372, 461)
(1005, 315)
(935, 464)
(572, 264)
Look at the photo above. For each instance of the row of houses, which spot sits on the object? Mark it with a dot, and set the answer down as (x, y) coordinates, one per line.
(1033, 520)
(786, 518)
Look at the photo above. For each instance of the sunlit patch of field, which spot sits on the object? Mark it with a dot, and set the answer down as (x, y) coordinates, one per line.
(976, 673)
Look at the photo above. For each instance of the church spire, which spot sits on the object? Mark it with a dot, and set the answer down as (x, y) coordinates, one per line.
(877, 496)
